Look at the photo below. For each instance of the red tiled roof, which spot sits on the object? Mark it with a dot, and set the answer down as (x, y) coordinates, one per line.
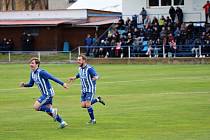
(39, 22)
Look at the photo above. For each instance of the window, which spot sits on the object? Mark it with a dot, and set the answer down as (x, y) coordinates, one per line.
(165, 2)
(178, 2)
(153, 2)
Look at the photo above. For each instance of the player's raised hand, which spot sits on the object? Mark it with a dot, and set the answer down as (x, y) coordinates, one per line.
(65, 85)
(21, 84)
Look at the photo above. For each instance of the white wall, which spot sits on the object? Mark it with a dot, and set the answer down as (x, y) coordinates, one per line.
(37, 15)
(192, 9)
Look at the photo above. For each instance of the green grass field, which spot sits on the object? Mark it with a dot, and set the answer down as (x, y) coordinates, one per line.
(144, 102)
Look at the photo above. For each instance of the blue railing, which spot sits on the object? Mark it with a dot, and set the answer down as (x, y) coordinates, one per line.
(146, 51)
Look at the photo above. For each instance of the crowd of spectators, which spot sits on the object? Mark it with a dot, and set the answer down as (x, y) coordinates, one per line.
(166, 36)
(27, 42)
(7, 44)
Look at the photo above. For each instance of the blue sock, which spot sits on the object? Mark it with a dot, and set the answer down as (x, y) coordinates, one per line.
(59, 119)
(90, 111)
(94, 101)
(44, 108)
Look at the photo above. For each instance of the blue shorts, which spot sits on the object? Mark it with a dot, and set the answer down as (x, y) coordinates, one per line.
(44, 100)
(87, 96)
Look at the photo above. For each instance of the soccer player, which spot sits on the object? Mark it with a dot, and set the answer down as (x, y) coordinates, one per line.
(41, 79)
(88, 77)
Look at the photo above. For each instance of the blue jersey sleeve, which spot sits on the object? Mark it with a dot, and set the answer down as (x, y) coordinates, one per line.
(30, 83)
(92, 72)
(46, 75)
(77, 76)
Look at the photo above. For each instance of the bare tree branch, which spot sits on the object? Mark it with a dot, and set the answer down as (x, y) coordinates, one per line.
(7, 4)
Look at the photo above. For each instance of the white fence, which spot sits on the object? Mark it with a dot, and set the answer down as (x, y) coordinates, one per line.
(44, 56)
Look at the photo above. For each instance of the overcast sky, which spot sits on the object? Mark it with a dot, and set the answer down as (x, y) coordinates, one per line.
(109, 5)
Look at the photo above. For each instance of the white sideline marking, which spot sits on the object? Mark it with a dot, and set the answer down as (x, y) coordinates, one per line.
(108, 82)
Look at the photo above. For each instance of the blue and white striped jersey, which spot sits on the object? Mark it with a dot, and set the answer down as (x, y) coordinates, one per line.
(41, 79)
(86, 74)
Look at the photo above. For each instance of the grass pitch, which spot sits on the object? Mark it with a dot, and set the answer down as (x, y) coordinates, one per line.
(148, 102)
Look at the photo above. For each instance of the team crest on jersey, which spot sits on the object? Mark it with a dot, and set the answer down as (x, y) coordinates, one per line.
(35, 78)
(83, 74)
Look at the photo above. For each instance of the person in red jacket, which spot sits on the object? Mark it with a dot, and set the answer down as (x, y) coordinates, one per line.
(206, 7)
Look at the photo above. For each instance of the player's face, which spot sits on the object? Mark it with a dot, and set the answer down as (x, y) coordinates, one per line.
(33, 65)
(80, 61)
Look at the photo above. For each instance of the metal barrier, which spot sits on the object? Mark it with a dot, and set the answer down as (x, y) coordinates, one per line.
(44, 56)
(143, 51)
(110, 51)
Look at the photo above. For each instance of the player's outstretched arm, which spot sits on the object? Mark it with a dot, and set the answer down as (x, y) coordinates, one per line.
(72, 78)
(29, 84)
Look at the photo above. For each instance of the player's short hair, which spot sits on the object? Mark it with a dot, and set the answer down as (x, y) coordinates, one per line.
(83, 57)
(37, 61)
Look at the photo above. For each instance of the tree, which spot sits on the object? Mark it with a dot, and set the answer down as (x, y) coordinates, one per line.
(1, 5)
(45, 4)
(7, 4)
(13, 4)
(31, 4)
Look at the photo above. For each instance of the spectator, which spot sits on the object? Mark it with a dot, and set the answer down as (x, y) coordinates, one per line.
(196, 46)
(7, 45)
(163, 33)
(155, 34)
(143, 13)
(120, 24)
(136, 46)
(95, 43)
(172, 13)
(88, 44)
(134, 21)
(127, 21)
(179, 14)
(147, 22)
(23, 41)
(29, 42)
(118, 50)
(1, 45)
(4, 45)
(12, 44)
(177, 34)
(136, 33)
(206, 7)
(129, 42)
(162, 21)
(157, 47)
(168, 21)
(150, 48)
(164, 46)
(155, 21)
(172, 45)
(183, 36)
(204, 43)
